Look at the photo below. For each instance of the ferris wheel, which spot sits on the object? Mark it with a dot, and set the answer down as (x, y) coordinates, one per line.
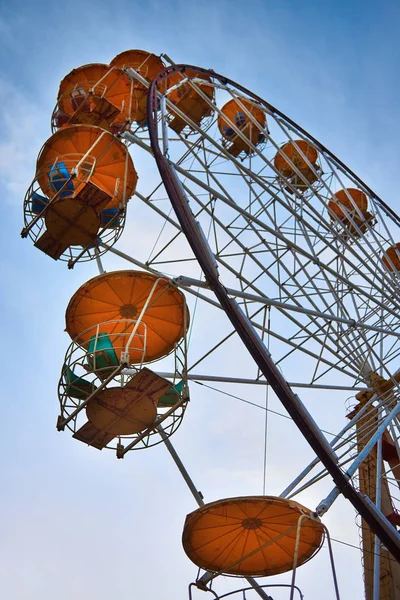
(274, 237)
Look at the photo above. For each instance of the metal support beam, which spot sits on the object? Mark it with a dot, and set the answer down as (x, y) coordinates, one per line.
(246, 381)
(330, 499)
(198, 496)
(188, 281)
(244, 328)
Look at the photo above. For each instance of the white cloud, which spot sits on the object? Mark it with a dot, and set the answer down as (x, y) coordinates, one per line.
(23, 124)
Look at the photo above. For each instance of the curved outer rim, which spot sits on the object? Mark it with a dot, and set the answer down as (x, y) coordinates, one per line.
(210, 73)
(385, 532)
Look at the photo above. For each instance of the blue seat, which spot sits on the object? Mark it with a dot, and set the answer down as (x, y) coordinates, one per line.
(107, 218)
(240, 119)
(38, 203)
(94, 243)
(59, 177)
(228, 131)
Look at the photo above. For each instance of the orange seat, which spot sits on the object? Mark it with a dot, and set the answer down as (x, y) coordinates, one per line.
(69, 222)
(129, 409)
(122, 411)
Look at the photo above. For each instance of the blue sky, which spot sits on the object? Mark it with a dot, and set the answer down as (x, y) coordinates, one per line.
(78, 523)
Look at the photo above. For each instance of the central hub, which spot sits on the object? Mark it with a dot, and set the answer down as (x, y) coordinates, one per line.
(251, 523)
(128, 311)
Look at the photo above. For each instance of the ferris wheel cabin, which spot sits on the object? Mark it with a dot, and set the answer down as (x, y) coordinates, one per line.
(242, 126)
(119, 322)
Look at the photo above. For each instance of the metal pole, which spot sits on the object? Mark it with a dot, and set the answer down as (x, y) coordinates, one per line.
(189, 281)
(314, 462)
(122, 450)
(237, 380)
(125, 355)
(198, 496)
(335, 582)
(296, 555)
(98, 261)
(377, 545)
(164, 125)
(329, 500)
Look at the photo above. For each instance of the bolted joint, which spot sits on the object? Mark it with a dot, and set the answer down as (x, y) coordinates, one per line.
(321, 509)
(120, 451)
(60, 423)
(124, 359)
(203, 581)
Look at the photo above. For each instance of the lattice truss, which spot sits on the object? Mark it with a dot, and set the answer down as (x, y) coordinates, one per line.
(313, 283)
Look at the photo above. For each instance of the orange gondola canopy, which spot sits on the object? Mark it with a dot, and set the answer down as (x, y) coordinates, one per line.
(248, 118)
(81, 153)
(148, 65)
(95, 94)
(295, 154)
(251, 536)
(114, 299)
(350, 199)
(145, 63)
(185, 96)
(391, 258)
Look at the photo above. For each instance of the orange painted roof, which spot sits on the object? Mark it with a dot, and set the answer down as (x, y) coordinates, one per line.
(231, 536)
(109, 156)
(360, 200)
(290, 150)
(148, 65)
(185, 90)
(145, 63)
(105, 81)
(121, 295)
(232, 108)
(393, 253)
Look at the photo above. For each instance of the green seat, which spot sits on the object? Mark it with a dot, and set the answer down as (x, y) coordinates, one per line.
(173, 395)
(101, 355)
(77, 387)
